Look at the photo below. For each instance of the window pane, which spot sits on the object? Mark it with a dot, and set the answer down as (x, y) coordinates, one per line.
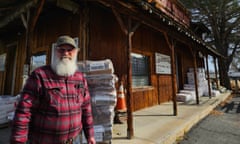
(140, 70)
(37, 61)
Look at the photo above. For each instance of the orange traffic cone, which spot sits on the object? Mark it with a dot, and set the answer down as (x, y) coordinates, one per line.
(121, 102)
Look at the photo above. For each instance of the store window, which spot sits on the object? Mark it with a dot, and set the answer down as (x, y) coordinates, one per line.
(2, 61)
(140, 70)
(38, 60)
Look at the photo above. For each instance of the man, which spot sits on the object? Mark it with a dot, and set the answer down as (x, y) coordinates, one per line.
(55, 103)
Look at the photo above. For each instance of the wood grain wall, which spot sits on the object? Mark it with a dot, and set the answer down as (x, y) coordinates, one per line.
(147, 41)
(47, 30)
(105, 40)
(3, 50)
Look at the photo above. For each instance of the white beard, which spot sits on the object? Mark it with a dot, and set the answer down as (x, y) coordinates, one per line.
(64, 66)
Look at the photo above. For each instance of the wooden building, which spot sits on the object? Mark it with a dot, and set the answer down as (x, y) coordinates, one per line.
(150, 43)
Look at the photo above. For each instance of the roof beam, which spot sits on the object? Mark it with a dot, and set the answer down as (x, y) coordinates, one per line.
(36, 14)
(17, 13)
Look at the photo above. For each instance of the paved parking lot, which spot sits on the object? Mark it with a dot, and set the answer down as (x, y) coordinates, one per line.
(222, 126)
(4, 134)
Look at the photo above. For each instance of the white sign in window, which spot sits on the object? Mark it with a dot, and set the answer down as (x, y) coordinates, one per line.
(37, 61)
(2, 61)
(163, 63)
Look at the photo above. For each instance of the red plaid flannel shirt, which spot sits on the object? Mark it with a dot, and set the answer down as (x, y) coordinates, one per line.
(52, 108)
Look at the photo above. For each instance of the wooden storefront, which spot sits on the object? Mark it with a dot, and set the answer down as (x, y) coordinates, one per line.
(108, 30)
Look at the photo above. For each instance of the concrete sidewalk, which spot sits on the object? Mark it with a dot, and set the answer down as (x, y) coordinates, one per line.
(157, 125)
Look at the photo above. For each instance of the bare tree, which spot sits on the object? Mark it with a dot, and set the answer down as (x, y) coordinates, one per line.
(222, 17)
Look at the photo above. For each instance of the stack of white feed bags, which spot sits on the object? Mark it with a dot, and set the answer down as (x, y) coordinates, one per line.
(7, 107)
(189, 91)
(101, 81)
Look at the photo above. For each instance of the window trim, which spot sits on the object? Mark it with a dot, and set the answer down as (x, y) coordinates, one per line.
(148, 73)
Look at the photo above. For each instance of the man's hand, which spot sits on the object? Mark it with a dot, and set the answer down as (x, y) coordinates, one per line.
(91, 140)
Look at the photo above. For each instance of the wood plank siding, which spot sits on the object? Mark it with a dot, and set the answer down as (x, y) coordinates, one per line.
(109, 30)
(173, 9)
(165, 88)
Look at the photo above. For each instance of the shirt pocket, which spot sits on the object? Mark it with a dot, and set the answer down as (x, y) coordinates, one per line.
(54, 96)
(80, 92)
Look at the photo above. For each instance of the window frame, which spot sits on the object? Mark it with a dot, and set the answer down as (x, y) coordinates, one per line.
(38, 54)
(148, 69)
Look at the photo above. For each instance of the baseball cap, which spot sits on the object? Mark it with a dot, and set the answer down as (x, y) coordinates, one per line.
(66, 40)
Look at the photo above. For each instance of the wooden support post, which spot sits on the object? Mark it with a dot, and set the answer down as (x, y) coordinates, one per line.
(84, 32)
(31, 23)
(173, 67)
(120, 21)
(37, 12)
(130, 131)
(128, 31)
(216, 73)
(236, 85)
(208, 78)
(195, 74)
(27, 43)
(173, 70)
(23, 7)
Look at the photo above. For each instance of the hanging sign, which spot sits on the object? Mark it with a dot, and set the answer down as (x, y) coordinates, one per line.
(163, 63)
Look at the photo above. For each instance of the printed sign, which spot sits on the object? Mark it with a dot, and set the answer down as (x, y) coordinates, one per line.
(163, 63)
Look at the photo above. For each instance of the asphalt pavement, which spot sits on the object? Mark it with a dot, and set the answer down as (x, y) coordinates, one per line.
(221, 126)
(4, 134)
(157, 125)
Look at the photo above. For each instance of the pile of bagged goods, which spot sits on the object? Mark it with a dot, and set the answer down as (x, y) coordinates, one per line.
(189, 93)
(101, 82)
(7, 107)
